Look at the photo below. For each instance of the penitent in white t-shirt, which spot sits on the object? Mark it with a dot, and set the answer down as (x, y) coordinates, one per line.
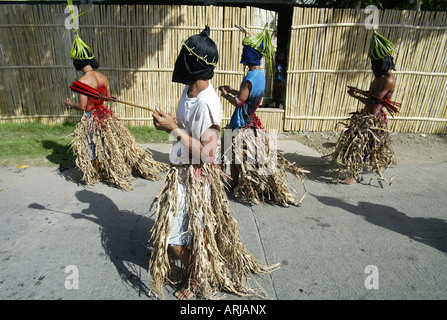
(195, 116)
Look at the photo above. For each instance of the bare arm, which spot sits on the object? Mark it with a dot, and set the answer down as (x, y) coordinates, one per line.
(382, 88)
(204, 149)
(239, 96)
(362, 99)
(81, 105)
(228, 89)
(107, 86)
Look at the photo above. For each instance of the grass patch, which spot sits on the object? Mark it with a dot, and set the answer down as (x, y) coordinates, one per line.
(38, 144)
(149, 135)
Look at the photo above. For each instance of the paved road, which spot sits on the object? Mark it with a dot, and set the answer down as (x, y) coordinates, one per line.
(366, 241)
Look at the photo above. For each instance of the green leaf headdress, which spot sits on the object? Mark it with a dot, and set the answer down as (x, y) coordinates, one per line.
(79, 50)
(262, 43)
(380, 47)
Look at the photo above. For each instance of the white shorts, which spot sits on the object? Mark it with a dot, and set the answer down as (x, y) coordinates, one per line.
(179, 235)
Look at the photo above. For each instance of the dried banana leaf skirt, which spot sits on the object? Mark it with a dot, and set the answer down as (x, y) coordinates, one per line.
(220, 261)
(263, 170)
(120, 157)
(364, 143)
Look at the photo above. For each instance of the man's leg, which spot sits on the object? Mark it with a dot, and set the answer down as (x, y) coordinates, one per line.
(234, 170)
(95, 163)
(184, 253)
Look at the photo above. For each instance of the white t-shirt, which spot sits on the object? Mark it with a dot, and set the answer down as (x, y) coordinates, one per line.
(195, 116)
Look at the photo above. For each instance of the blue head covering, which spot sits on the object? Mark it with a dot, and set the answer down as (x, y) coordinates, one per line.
(251, 56)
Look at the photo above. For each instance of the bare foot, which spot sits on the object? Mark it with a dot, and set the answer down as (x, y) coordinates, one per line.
(188, 290)
(350, 180)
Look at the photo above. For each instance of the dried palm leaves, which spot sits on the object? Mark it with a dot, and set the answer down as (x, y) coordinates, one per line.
(262, 43)
(220, 260)
(364, 142)
(380, 47)
(117, 151)
(263, 169)
(79, 49)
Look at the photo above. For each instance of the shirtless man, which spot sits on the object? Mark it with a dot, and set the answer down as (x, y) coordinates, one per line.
(382, 87)
(94, 79)
(91, 77)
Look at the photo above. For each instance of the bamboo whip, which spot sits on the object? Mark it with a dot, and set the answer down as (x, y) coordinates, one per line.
(84, 89)
(131, 104)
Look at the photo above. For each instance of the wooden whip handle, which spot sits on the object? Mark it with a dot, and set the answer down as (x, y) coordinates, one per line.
(131, 104)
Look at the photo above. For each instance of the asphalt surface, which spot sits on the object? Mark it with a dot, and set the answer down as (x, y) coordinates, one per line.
(62, 240)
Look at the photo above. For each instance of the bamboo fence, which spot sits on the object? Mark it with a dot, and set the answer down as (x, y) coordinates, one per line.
(328, 52)
(136, 46)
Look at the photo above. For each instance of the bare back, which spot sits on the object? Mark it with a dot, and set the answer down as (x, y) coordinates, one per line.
(96, 80)
(382, 87)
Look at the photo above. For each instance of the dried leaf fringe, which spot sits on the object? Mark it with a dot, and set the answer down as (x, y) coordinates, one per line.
(220, 260)
(264, 178)
(117, 151)
(364, 143)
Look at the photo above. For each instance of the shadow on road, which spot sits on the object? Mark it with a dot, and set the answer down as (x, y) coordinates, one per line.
(429, 231)
(124, 235)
